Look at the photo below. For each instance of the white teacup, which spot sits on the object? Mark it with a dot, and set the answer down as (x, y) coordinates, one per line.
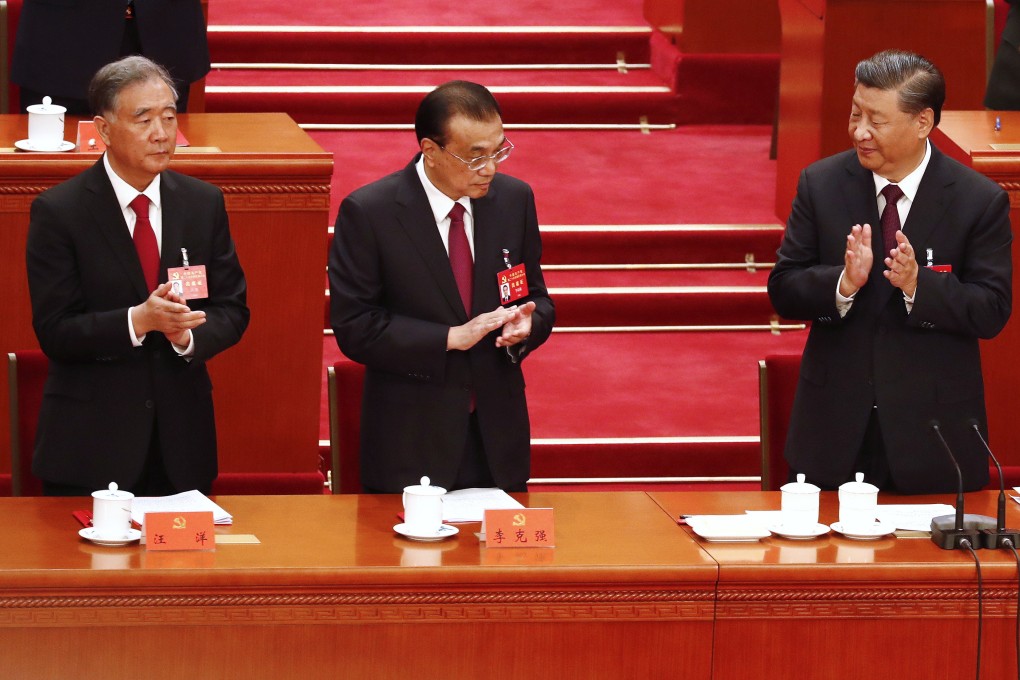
(858, 503)
(46, 125)
(111, 512)
(423, 508)
(799, 505)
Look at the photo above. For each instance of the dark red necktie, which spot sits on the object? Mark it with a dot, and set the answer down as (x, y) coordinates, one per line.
(460, 256)
(890, 217)
(145, 242)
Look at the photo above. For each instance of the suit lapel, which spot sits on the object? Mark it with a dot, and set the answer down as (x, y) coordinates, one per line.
(488, 227)
(102, 207)
(414, 214)
(934, 194)
(173, 230)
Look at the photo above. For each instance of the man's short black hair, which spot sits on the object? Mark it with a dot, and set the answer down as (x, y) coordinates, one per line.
(919, 83)
(457, 97)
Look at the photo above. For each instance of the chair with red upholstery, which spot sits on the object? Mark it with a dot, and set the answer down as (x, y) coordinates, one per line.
(777, 384)
(345, 381)
(26, 375)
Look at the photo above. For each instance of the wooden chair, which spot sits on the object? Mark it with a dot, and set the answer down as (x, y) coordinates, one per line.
(26, 376)
(345, 380)
(777, 383)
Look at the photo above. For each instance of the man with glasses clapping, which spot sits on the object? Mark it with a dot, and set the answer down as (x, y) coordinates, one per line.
(419, 269)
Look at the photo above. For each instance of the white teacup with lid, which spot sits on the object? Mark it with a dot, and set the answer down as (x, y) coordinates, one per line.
(46, 125)
(858, 503)
(111, 512)
(423, 508)
(799, 505)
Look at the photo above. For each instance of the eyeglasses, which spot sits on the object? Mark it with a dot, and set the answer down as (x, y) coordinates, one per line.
(480, 162)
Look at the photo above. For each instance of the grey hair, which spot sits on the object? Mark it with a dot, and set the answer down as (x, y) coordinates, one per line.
(919, 83)
(113, 78)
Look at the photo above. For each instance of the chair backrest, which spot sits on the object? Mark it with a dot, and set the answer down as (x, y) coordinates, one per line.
(777, 384)
(26, 375)
(345, 381)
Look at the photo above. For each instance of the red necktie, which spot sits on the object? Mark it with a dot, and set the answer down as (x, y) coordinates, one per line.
(145, 242)
(460, 256)
(890, 217)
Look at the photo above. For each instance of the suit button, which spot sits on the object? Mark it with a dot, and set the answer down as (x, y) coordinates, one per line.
(149, 403)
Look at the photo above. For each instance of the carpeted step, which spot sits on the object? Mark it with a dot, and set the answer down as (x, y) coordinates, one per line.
(354, 77)
(660, 244)
(430, 44)
(655, 276)
(397, 104)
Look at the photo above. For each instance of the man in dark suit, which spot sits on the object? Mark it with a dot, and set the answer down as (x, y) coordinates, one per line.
(415, 296)
(896, 310)
(128, 398)
(60, 45)
(1003, 90)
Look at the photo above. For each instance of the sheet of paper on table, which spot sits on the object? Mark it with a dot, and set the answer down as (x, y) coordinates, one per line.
(189, 501)
(469, 505)
(912, 517)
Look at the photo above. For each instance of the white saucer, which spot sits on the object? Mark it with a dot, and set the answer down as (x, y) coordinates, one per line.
(27, 145)
(130, 536)
(727, 528)
(445, 531)
(798, 533)
(869, 533)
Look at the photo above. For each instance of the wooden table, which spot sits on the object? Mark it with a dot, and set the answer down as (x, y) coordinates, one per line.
(837, 608)
(332, 591)
(275, 180)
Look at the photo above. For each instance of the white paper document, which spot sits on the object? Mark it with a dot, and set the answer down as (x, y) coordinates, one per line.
(912, 517)
(469, 505)
(189, 501)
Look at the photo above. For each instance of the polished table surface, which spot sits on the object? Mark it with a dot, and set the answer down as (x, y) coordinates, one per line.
(838, 608)
(330, 587)
(626, 592)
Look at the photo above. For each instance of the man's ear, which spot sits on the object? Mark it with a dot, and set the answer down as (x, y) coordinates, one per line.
(429, 149)
(103, 128)
(925, 122)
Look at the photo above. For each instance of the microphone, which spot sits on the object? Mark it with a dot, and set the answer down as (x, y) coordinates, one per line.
(996, 538)
(949, 533)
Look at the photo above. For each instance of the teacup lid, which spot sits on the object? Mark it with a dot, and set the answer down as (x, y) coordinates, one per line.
(47, 107)
(800, 486)
(113, 494)
(425, 488)
(858, 486)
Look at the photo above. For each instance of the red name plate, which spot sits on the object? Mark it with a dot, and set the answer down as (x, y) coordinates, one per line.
(520, 528)
(88, 137)
(179, 531)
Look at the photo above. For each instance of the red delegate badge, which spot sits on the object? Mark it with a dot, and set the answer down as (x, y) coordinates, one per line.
(189, 282)
(513, 284)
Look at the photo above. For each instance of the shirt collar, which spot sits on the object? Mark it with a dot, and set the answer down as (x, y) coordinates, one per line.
(127, 193)
(440, 203)
(911, 182)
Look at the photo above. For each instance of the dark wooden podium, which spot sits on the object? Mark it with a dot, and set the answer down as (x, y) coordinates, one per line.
(822, 41)
(276, 181)
(970, 137)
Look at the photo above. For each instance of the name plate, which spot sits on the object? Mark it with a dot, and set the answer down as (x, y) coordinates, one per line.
(520, 528)
(88, 137)
(179, 531)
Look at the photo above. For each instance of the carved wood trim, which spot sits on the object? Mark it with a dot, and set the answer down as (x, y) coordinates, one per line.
(872, 603)
(357, 607)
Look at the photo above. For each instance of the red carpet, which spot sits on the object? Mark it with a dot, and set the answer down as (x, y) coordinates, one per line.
(434, 13)
(682, 176)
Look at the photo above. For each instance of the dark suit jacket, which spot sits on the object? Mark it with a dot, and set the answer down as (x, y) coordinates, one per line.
(393, 300)
(61, 44)
(1003, 90)
(103, 397)
(915, 367)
